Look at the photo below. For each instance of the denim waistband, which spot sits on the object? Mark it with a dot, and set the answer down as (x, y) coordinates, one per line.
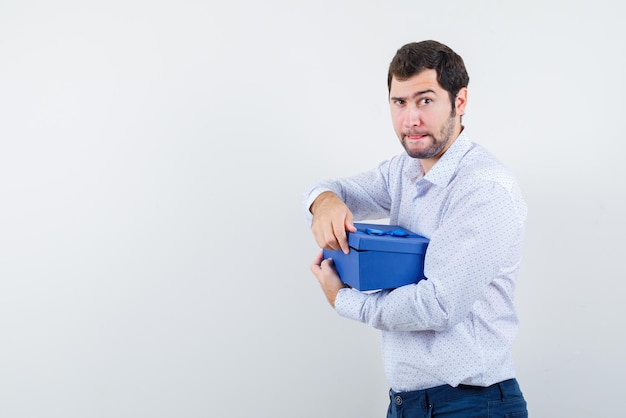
(505, 389)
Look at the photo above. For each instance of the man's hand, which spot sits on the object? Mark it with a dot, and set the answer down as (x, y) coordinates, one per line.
(331, 220)
(327, 277)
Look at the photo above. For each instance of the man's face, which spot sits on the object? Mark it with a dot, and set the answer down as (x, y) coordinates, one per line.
(423, 117)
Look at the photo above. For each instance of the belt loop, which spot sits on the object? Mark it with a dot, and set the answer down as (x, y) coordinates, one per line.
(502, 396)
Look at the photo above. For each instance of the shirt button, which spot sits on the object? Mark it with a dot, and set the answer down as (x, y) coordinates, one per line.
(398, 400)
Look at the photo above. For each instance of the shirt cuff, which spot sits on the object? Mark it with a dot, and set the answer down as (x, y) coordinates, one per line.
(349, 303)
(309, 198)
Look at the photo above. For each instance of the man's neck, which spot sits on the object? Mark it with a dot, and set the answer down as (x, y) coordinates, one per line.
(428, 163)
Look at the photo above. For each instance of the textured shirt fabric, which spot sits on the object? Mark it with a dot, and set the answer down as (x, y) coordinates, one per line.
(458, 325)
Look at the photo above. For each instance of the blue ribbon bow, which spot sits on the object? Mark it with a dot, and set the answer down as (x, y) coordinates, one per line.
(378, 232)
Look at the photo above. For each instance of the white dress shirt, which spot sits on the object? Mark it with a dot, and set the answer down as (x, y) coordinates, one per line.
(458, 326)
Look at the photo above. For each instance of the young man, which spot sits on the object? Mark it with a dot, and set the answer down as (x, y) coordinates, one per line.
(446, 341)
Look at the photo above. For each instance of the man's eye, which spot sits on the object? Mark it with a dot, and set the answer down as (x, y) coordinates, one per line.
(398, 102)
(426, 101)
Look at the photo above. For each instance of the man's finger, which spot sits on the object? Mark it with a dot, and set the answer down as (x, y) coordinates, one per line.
(318, 259)
(350, 223)
(342, 237)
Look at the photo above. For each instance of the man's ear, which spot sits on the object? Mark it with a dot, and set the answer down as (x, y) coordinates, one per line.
(460, 101)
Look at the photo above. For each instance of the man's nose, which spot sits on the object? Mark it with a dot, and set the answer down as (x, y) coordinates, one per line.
(414, 117)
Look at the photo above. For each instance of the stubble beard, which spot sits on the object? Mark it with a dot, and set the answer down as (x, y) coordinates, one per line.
(439, 141)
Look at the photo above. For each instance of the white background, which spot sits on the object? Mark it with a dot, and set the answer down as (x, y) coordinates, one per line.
(153, 155)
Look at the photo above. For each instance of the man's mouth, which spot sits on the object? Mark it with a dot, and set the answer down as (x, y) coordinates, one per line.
(416, 136)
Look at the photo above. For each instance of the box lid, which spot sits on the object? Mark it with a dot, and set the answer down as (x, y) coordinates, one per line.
(391, 238)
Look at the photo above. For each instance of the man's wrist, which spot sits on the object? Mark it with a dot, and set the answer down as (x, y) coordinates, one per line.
(320, 198)
(334, 297)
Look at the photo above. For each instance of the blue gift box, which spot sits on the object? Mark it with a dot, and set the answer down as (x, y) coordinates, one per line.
(380, 257)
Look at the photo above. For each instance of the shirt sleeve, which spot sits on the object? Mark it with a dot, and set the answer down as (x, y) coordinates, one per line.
(478, 241)
(366, 194)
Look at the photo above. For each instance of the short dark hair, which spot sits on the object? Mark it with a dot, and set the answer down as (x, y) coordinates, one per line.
(413, 58)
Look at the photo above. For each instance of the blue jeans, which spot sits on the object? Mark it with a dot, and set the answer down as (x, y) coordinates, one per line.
(503, 400)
